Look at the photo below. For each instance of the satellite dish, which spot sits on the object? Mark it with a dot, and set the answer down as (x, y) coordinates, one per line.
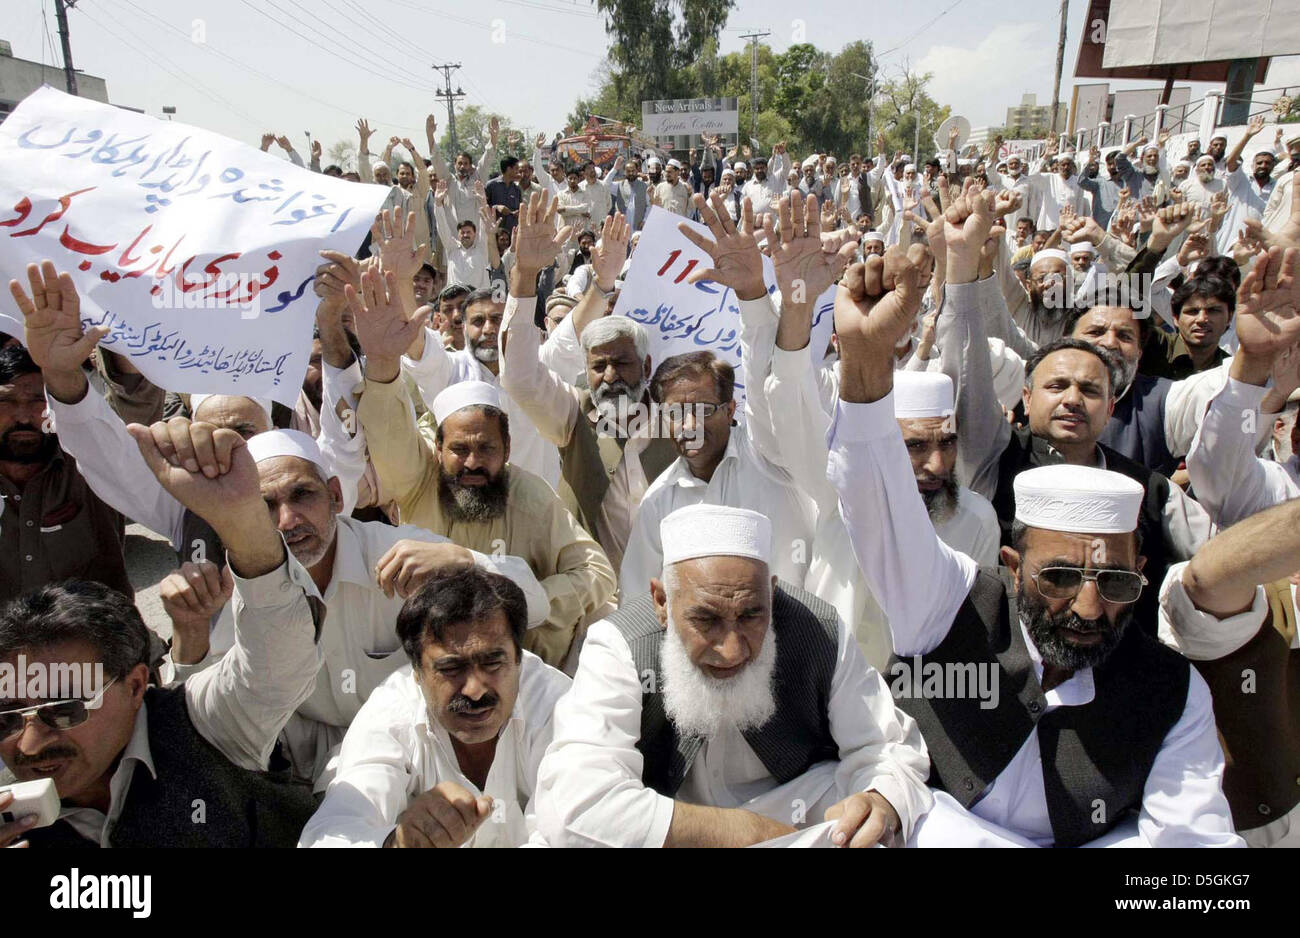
(963, 133)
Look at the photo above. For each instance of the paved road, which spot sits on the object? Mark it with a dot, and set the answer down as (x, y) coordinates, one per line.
(149, 558)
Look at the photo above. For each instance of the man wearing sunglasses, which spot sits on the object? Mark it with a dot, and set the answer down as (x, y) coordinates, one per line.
(136, 765)
(1098, 735)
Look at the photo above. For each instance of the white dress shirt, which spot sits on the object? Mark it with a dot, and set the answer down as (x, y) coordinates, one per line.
(393, 752)
(921, 583)
(743, 479)
(439, 367)
(590, 790)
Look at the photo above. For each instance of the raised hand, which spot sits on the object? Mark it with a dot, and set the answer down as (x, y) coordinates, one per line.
(440, 192)
(191, 596)
(539, 141)
(363, 132)
(1255, 125)
(315, 150)
(494, 129)
(875, 306)
(430, 130)
(267, 140)
(1168, 223)
(1246, 247)
(967, 224)
(336, 273)
(610, 253)
(210, 471)
(1005, 201)
(52, 316)
(1083, 228)
(284, 143)
(1195, 247)
(1268, 305)
(392, 239)
(384, 326)
(803, 265)
(536, 241)
(737, 262)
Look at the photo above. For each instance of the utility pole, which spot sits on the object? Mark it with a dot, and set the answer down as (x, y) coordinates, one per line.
(753, 80)
(450, 97)
(1060, 61)
(61, 8)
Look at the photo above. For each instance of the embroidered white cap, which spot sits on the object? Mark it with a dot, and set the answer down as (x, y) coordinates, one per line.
(262, 402)
(920, 394)
(1082, 247)
(873, 236)
(739, 165)
(274, 443)
(463, 394)
(675, 164)
(715, 531)
(1077, 499)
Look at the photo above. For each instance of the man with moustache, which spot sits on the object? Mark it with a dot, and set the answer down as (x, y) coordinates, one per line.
(133, 762)
(360, 572)
(610, 451)
(1069, 396)
(723, 707)
(459, 484)
(1107, 735)
(52, 524)
(445, 752)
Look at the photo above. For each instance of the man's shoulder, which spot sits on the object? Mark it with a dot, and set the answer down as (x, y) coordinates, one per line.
(977, 505)
(541, 685)
(528, 490)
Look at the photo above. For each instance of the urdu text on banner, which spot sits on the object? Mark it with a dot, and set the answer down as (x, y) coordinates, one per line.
(686, 317)
(197, 251)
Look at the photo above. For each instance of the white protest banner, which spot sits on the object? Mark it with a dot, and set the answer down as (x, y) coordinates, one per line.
(197, 251)
(686, 317)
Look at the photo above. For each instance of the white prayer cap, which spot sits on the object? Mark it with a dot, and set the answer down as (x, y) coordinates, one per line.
(654, 161)
(1048, 254)
(726, 172)
(1185, 164)
(1082, 247)
(739, 165)
(1292, 140)
(197, 399)
(1077, 499)
(1203, 157)
(809, 161)
(1151, 146)
(906, 157)
(599, 172)
(873, 236)
(273, 443)
(715, 531)
(464, 394)
(675, 164)
(560, 299)
(920, 394)
(1014, 156)
(1223, 137)
(909, 168)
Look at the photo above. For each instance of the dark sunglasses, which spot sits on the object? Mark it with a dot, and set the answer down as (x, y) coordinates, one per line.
(57, 714)
(1115, 586)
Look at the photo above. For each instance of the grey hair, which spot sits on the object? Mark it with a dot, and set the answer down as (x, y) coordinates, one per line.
(611, 328)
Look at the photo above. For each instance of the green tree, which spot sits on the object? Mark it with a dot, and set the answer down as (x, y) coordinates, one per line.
(903, 103)
(472, 135)
(655, 43)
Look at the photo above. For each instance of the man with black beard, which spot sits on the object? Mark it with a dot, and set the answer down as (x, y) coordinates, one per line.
(459, 485)
(963, 519)
(610, 449)
(1100, 734)
(52, 525)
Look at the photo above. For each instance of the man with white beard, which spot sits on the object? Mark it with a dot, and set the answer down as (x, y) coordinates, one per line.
(724, 708)
(1016, 179)
(1053, 191)
(609, 452)
(1204, 183)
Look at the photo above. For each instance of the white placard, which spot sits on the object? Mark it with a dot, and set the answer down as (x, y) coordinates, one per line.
(195, 250)
(690, 117)
(686, 317)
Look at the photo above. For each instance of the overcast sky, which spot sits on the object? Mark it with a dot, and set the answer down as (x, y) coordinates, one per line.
(241, 67)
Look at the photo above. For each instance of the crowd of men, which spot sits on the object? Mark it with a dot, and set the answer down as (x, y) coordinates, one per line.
(1011, 562)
